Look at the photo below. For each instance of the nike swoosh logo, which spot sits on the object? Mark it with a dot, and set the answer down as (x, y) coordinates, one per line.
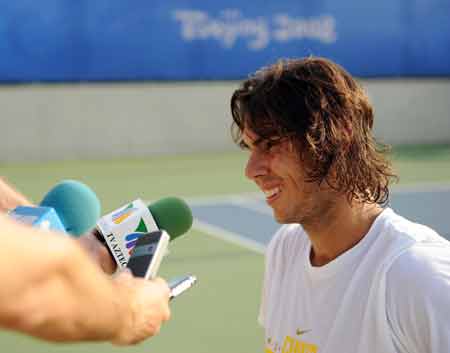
(301, 332)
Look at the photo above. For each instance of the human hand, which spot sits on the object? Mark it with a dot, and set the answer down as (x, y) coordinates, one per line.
(147, 307)
(98, 252)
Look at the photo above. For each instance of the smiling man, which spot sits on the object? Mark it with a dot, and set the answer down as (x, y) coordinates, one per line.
(344, 272)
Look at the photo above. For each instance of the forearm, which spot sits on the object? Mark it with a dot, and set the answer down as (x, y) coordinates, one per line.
(10, 198)
(56, 292)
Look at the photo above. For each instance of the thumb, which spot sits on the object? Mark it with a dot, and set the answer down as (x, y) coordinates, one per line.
(124, 272)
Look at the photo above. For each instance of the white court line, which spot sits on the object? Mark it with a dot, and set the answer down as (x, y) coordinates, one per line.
(228, 236)
(244, 197)
(220, 199)
(253, 204)
(422, 187)
(219, 232)
(242, 200)
(249, 201)
(252, 200)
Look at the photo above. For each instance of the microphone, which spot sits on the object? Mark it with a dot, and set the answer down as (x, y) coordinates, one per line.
(69, 207)
(122, 228)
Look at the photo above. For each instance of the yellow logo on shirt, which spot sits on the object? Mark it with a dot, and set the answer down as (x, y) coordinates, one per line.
(293, 345)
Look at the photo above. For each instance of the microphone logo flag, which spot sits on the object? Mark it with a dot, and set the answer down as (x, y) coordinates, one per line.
(123, 227)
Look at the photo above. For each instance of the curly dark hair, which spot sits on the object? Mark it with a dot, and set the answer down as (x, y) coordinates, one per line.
(326, 115)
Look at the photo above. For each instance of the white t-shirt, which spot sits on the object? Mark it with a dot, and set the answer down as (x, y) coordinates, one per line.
(389, 293)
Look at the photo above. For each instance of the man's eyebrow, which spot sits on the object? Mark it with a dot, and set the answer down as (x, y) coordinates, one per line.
(258, 141)
(254, 143)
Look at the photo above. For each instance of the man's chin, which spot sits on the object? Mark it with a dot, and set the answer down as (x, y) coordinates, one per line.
(283, 218)
(280, 218)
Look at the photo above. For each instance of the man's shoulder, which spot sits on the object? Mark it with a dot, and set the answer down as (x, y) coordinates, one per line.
(416, 293)
(417, 287)
(422, 267)
(404, 229)
(419, 248)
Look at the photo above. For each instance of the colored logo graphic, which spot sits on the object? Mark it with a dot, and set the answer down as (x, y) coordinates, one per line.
(132, 238)
(122, 215)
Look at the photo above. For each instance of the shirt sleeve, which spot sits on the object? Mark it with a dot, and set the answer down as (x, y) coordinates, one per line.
(418, 299)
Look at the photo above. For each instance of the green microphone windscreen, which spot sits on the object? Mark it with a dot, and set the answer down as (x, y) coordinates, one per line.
(76, 205)
(173, 215)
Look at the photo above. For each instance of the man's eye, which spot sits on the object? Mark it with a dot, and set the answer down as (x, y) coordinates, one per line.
(243, 145)
(269, 144)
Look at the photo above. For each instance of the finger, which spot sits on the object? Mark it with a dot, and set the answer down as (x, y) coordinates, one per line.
(125, 271)
(162, 283)
(107, 263)
(123, 274)
(167, 314)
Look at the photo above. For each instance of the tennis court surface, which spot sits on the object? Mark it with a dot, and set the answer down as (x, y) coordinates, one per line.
(219, 314)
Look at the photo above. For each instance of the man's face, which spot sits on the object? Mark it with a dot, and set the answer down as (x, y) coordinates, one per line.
(274, 165)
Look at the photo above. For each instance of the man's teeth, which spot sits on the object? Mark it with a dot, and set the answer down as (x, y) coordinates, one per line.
(271, 192)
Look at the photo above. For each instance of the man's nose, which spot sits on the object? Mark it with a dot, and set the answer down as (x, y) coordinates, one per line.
(256, 166)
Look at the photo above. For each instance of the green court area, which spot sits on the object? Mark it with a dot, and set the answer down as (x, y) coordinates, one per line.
(219, 314)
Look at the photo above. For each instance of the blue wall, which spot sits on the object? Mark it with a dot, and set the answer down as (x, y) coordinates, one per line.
(78, 40)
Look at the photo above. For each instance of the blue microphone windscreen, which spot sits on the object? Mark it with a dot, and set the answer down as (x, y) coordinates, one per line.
(76, 205)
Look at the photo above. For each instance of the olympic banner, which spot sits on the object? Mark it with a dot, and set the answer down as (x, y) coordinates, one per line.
(97, 40)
